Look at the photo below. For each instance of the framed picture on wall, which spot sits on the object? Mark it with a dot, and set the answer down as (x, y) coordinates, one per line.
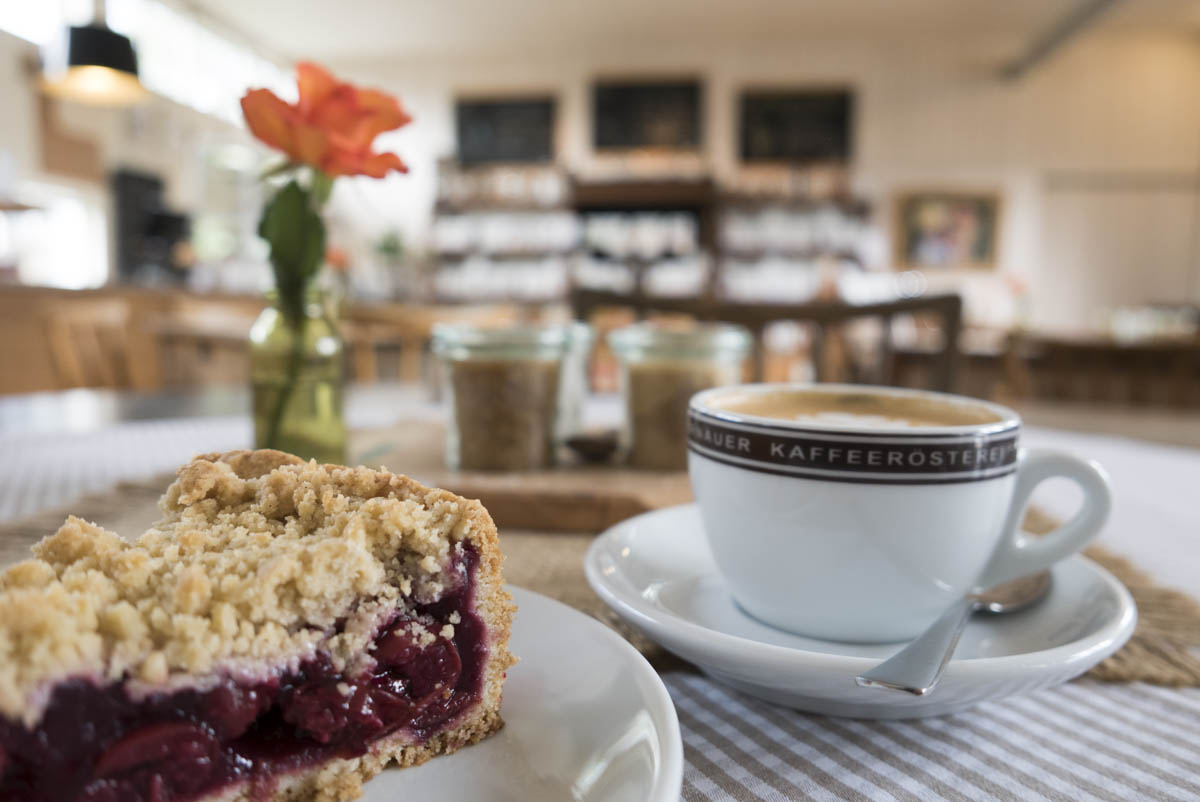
(946, 229)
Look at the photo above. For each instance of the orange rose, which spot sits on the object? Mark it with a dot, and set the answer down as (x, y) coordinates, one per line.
(333, 126)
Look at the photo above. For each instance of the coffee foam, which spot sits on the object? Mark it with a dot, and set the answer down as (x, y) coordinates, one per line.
(855, 410)
(854, 420)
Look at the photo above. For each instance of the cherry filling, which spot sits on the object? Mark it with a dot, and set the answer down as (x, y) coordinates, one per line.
(95, 744)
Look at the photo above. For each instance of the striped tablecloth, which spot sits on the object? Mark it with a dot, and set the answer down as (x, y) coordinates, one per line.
(1081, 741)
(1085, 740)
(43, 470)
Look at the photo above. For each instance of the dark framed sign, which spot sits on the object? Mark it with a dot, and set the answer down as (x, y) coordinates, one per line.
(646, 114)
(797, 126)
(517, 131)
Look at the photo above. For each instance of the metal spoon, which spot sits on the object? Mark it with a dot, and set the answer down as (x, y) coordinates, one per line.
(918, 666)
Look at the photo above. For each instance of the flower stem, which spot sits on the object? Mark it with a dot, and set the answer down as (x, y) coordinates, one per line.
(292, 376)
(292, 226)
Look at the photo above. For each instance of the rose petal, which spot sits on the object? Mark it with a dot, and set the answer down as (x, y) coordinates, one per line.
(311, 144)
(339, 113)
(269, 118)
(341, 162)
(315, 85)
(333, 125)
(377, 165)
(382, 112)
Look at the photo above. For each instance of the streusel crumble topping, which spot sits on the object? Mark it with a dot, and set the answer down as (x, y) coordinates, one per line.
(258, 557)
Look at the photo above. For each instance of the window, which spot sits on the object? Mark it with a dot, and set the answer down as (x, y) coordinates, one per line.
(183, 60)
(63, 242)
(37, 243)
(178, 56)
(43, 22)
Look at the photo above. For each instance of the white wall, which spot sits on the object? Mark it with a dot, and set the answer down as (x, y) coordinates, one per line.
(1097, 151)
(18, 129)
(1117, 109)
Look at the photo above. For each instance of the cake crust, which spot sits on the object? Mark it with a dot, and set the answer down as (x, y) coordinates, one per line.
(343, 779)
(260, 561)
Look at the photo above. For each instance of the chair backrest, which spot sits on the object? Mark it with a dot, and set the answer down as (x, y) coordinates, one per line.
(53, 339)
(89, 342)
(408, 329)
(823, 317)
(1098, 369)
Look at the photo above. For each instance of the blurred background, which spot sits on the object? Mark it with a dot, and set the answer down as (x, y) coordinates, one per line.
(1002, 199)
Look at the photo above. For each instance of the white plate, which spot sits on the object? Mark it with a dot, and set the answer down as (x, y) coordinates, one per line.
(657, 573)
(586, 716)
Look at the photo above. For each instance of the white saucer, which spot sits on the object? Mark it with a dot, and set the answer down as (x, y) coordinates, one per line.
(657, 573)
(586, 716)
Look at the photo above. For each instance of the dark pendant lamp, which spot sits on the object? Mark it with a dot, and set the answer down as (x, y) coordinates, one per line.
(101, 67)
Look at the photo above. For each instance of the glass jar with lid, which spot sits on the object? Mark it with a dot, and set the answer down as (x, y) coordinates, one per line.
(661, 369)
(512, 393)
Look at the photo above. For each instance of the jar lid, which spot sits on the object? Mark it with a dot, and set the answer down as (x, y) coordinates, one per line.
(503, 340)
(697, 341)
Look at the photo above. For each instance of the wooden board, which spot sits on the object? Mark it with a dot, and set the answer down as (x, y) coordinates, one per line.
(567, 499)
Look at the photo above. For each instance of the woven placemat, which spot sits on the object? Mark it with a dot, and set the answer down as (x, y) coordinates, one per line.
(570, 498)
(1165, 649)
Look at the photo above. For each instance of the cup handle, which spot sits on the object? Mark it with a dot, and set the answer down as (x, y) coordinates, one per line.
(1017, 556)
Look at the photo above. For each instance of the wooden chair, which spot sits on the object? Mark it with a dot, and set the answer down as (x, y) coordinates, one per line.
(89, 342)
(203, 339)
(53, 339)
(823, 318)
(1097, 368)
(370, 330)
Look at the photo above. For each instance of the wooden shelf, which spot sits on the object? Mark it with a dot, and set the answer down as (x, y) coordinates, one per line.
(481, 206)
(632, 259)
(854, 207)
(642, 195)
(799, 254)
(507, 300)
(504, 256)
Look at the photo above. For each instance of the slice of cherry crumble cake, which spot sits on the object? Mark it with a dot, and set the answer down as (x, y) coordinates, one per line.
(286, 631)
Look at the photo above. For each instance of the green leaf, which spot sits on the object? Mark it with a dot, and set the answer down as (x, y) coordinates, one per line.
(294, 231)
(296, 235)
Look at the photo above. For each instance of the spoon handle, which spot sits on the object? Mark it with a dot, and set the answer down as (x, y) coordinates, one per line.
(918, 666)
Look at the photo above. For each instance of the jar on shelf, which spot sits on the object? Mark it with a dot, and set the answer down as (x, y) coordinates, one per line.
(661, 369)
(512, 393)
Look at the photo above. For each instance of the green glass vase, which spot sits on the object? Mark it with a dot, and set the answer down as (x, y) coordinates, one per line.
(296, 375)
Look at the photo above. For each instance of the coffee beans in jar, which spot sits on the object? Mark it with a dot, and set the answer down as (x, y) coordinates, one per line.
(661, 369)
(510, 396)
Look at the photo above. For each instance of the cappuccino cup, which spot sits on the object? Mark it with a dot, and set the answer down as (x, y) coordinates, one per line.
(855, 513)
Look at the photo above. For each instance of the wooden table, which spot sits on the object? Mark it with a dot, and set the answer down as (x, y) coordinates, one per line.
(823, 316)
(1099, 368)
